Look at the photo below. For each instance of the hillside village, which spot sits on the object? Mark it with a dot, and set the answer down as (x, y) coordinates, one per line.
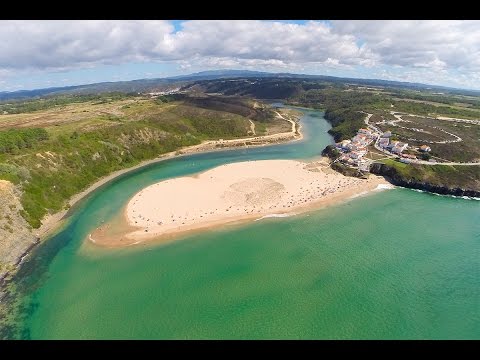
(354, 150)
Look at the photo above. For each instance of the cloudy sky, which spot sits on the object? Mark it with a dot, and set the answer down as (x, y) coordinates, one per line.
(38, 54)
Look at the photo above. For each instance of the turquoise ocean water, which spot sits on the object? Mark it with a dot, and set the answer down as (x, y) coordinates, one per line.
(394, 264)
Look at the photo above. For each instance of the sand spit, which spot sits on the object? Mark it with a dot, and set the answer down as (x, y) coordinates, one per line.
(229, 193)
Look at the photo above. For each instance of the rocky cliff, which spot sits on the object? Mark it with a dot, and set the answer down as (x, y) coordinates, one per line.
(15, 234)
(459, 185)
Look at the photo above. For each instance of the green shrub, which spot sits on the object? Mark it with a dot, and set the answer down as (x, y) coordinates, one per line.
(16, 139)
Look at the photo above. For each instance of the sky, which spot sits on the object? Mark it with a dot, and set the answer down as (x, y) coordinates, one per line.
(39, 54)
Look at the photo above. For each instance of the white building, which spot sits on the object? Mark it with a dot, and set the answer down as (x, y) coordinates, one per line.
(386, 134)
(399, 147)
(383, 142)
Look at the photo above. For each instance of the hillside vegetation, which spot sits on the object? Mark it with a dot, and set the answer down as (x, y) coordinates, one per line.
(54, 153)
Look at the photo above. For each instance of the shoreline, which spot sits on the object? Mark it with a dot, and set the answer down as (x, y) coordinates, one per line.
(309, 187)
(53, 222)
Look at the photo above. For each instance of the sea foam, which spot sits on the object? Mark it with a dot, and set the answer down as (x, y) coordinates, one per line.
(446, 195)
(384, 186)
(275, 216)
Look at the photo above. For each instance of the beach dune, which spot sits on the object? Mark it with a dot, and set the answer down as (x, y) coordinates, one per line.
(229, 193)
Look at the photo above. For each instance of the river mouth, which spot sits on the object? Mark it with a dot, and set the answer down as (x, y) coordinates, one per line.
(380, 266)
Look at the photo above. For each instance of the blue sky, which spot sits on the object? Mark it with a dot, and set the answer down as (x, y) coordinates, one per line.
(38, 54)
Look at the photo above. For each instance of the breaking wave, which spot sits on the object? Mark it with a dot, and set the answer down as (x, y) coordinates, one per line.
(446, 195)
(275, 216)
(384, 186)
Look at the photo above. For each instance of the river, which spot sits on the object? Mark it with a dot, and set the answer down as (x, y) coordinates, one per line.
(394, 264)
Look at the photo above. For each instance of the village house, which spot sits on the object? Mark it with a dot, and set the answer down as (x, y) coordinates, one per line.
(362, 140)
(386, 134)
(356, 147)
(364, 131)
(359, 138)
(393, 143)
(383, 142)
(399, 147)
(425, 148)
(357, 154)
(409, 156)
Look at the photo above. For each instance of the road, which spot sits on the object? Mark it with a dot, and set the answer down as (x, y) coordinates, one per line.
(446, 163)
(377, 132)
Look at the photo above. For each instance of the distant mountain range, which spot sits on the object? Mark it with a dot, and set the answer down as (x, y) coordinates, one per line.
(146, 85)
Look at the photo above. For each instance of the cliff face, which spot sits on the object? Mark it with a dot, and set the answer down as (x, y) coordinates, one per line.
(15, 233)
(439, 186)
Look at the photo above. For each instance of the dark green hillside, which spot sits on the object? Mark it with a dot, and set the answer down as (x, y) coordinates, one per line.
(235, 105)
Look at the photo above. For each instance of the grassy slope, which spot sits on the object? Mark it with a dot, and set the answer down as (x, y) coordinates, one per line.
(80, 150)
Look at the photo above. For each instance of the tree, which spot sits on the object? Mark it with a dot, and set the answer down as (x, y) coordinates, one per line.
(425, 156)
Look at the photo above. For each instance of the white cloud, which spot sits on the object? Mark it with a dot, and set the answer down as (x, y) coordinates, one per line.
(60, 45)
(260, 40)
(438, 44)
(198, 63)
(424, 50)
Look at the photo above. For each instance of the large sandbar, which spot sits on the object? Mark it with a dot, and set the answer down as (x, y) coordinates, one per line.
(230, 193)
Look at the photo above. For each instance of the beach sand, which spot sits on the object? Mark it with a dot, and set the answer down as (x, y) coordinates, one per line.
(229, 193)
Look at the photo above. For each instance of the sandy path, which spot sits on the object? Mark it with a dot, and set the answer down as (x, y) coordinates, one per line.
(252, 127)
(290, 121)
(230, 193)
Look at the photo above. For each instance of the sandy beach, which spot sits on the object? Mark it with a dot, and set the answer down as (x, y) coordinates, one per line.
(229, 193)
